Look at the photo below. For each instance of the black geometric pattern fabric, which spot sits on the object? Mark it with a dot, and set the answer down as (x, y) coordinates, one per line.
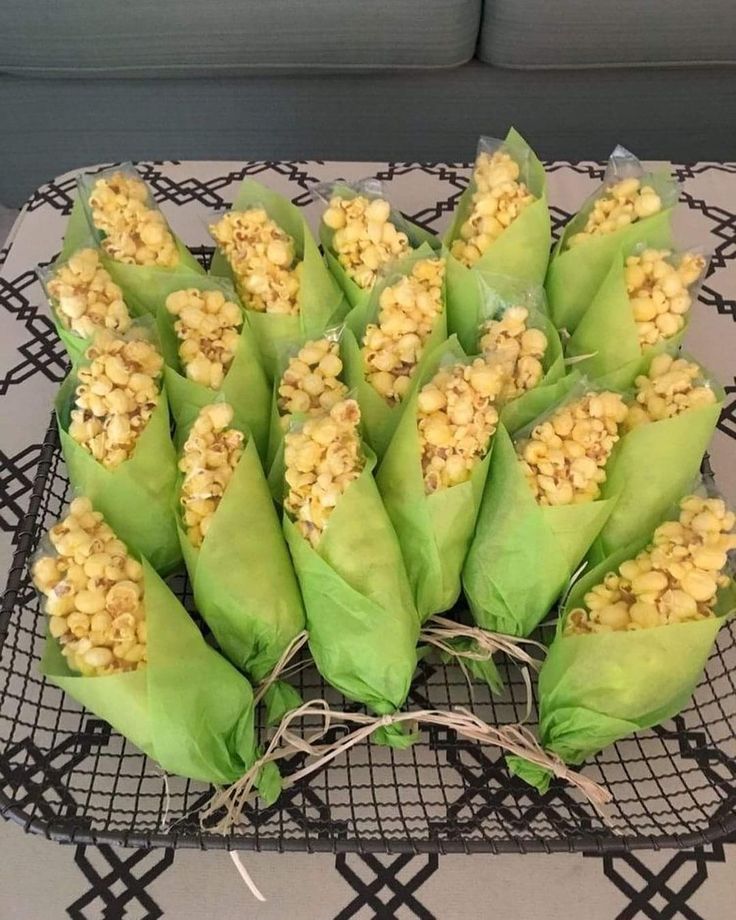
(381, 886)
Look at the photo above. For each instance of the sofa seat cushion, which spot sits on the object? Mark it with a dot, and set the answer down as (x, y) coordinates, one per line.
(193, 37)
(604, 33)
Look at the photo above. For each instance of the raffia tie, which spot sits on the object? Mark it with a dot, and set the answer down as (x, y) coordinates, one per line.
(515, 739)
(280, 668)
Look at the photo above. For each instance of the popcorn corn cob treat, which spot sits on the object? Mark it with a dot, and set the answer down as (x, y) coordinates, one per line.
(365, 238)
(675, 579)
(94, 595)
(208, 327)
(311, 383)
(668, 388)
(116, 396)
(407, 314)
(623, 203)
(263, 260)
(135, 233)
(564, 458)
(321, 461)
(456, 418)
(210, 455)
(498, 200)
(86, 297)
(658, 291)
(519, 347)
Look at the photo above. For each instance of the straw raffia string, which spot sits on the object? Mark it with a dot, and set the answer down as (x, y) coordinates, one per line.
(280, 668)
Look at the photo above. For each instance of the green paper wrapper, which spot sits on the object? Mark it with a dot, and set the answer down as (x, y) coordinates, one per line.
(523, 554)
(521, 251)
(187, 709)
(363, 628)
(380, 419)
(494, 295)
(245, 385)
(321, 303)
(650, 469)
(597, 688)
(137, 497)
(574, 275)
(369, 188)
(252, 618)
(141, 284)
(607, 333)
(434, 530)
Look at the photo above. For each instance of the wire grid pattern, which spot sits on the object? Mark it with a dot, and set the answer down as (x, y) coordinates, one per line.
(67, 775)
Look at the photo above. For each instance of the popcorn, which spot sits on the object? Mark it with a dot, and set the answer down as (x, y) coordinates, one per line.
(210, 455)
(262, 256)
(321, 461)
(311, 383)
(658, 291)
(518, 347)
(135, 233)
(365, 239)
(456, 419)
(565, 457)
(674, 580)
(94, 595)
(115, 398)
(498, 200)
(621, 204)
(408, 311)
(85, 296)
(208, 327)
(669, 388)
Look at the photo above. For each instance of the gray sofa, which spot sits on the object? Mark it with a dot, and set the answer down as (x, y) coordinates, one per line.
(85, 81)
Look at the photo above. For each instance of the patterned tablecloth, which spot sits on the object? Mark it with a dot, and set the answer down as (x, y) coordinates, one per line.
(130, 884)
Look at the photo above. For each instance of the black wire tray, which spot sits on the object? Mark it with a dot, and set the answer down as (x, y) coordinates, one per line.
(65, 774)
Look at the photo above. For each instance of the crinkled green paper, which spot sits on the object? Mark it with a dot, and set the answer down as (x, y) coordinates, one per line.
(597, 688)
(357, 295)
(434, 530)
(521, 251)
(245, 385)
(650, 469)
(379, 419)
(187, 709)
(137, 497)
(321, 303)
(363, 627)
(242, 577)
(574, 275)
(523, 555)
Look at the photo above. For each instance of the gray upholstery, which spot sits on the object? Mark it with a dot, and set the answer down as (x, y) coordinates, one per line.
(605, 33)
(58, 124)
(186, 37)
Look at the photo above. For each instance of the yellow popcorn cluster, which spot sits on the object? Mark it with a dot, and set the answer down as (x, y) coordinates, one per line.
(498, 200)
(674, 580)
(619, 205)
(86, 297)
(408, 311)
(518, 347)
(658, 291)
(321, 461)
(208, 327)
(135, 233)
(94, 595)
(365, 239)
(117, 393)
(262, 256)
(211, 452)
(670, 387)
(456, 418)
(311, 382)
(564, 459)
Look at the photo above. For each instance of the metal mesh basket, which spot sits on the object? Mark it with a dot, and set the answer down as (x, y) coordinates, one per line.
(66, 775)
